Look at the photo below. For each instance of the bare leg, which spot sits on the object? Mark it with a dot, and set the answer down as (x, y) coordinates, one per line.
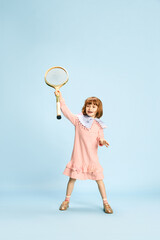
(70, 186)
(65, 203)
(101, 187)
(107, 207)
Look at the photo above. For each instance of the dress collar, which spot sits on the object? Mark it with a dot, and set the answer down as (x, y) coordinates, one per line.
(87, 121)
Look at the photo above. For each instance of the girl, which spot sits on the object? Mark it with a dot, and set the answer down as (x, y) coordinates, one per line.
(84, 163)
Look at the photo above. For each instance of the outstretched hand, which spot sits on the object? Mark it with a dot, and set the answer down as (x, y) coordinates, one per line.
(103, 142)
(58, 93)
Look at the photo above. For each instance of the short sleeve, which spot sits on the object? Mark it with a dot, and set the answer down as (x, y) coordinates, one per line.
(66, 111)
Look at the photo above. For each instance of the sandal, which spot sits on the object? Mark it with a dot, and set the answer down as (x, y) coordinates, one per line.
(107, 208)
(64, 205)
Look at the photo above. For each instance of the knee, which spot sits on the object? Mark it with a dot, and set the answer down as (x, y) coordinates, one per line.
(99, 181)
(72, 179)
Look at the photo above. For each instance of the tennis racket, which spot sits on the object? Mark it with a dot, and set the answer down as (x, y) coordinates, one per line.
(56, 77)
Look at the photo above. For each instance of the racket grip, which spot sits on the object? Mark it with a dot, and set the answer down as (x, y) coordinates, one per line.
(58, 109)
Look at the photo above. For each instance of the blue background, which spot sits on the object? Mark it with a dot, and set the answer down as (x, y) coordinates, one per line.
(111, 50)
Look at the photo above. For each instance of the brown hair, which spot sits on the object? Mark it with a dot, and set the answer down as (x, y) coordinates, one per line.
(95, 101)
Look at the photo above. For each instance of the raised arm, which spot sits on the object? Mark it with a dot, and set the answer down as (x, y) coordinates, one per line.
(66, 111)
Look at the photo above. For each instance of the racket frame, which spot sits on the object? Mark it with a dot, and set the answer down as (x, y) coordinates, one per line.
(57, 87)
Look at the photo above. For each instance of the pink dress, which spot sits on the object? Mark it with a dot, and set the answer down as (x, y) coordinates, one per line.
(84, 163)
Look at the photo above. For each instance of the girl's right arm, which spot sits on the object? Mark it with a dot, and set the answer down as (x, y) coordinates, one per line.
(65, 110)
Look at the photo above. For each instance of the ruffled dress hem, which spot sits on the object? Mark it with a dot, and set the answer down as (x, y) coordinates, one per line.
(83, 175)
(84, 172)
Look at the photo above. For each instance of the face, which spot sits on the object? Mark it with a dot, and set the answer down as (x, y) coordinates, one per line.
(91, 110)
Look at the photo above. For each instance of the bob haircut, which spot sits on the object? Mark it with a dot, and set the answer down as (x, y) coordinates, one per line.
(95, 101)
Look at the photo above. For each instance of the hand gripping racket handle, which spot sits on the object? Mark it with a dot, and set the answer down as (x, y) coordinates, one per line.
(58, 108)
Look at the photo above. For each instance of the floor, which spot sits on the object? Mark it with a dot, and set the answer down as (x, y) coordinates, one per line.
(37, 216)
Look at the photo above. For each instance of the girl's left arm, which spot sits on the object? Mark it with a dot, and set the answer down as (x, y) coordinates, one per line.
(101, 140)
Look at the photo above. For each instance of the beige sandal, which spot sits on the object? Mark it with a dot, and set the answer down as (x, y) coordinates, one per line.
(64, 205)
(107, 208)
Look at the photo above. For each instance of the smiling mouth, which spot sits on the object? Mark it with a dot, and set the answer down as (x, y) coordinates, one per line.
(89, 112)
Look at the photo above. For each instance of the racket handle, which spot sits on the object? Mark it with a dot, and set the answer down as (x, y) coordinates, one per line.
(58, 108)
